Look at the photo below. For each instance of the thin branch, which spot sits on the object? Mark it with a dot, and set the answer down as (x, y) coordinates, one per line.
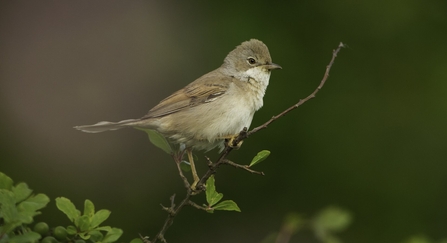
(195, 205)
(170, 219)
(302, 101)
(171, 209)
(145, 239)
(212, 167)
(244, 167)
(178, 161)
(210, 163)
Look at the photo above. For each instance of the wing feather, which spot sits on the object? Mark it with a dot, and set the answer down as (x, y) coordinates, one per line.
(205, 89)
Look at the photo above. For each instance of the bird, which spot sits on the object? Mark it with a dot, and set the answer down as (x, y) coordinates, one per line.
(215, 107)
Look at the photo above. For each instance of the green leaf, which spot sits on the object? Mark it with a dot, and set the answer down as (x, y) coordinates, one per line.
(99, 217)
(68, 208)
(95, 235)
(84, 235)
(136, 240)
(212, 196)
(5, 182)
(113, 235)
(71, 230)
(22, 213)
(33, 203)
(228, 205)
(7, 205)
(104, 228)
(89, 208)
(26, 237)
(158, 140)
(185, 166)
(9, 212)
(259, 157)
(332, 219)
(21, 192)
(83, 223)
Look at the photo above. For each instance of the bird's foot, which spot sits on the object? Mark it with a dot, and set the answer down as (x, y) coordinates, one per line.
(229, 141)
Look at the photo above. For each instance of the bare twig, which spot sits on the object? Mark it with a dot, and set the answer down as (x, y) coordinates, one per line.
(210, 163)
(302, 101)
(173, 210)
(244, 167)
(178, 160)
(195, 205)
(145, 239)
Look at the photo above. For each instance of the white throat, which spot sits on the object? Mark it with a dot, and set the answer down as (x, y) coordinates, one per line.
(260, 74)
(258, 78)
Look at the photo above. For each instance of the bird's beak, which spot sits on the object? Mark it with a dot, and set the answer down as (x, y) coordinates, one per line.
(272, 66)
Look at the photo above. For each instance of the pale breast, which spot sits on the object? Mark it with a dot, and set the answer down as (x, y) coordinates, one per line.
(206, 126)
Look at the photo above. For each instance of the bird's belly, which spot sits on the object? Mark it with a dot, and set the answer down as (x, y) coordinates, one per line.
(229, 120)
(209, 126)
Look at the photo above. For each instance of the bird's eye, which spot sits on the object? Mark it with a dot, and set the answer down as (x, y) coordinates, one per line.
(251, 60)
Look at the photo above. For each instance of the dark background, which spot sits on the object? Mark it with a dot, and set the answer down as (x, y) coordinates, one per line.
(373, 141)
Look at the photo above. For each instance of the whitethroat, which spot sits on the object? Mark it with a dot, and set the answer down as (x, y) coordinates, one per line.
(214, 107)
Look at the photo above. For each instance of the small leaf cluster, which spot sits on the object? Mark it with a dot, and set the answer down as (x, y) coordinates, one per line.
(213, 199)
(325, 224)
(18, 206)
(329, 221)
(87, 225)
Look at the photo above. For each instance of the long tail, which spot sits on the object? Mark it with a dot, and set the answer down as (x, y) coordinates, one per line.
(106, 126)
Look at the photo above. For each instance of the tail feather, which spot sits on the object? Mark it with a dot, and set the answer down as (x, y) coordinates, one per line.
(106, 126)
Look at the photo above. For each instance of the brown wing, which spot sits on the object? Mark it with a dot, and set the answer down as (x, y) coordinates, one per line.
(205, 89)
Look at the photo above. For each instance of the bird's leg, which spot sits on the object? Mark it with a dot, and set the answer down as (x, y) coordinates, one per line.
(229, 141)
(193, 169)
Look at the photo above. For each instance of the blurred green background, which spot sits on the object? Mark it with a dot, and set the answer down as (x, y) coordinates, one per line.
(373, 141)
